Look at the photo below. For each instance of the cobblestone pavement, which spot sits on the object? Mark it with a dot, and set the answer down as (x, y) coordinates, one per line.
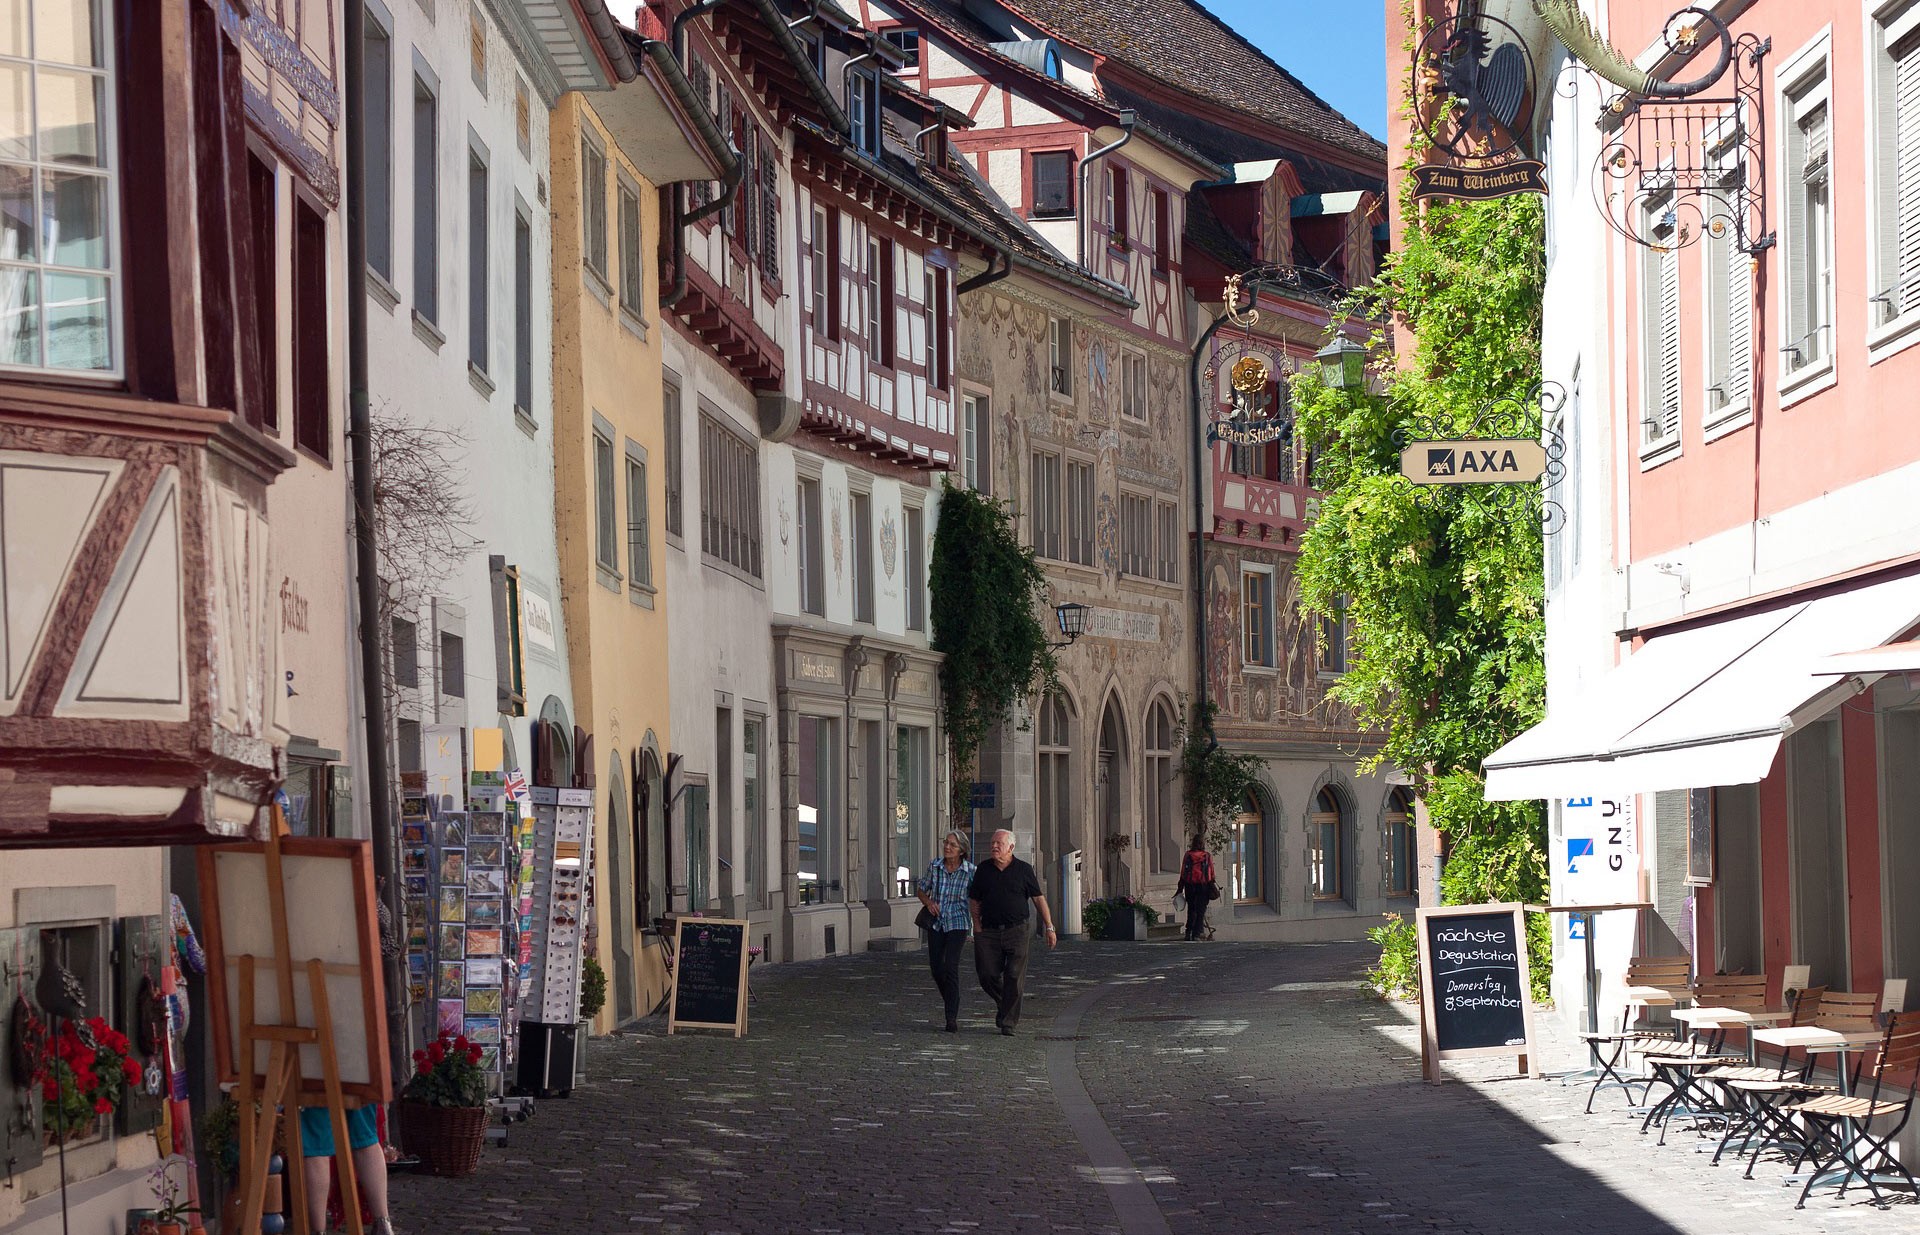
(1234, 1088)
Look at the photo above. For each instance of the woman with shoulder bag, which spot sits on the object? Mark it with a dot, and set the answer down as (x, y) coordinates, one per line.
(944, 916)
(1197, 885)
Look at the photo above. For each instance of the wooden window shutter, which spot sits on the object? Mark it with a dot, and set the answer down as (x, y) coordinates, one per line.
(770, 211)
(1669, 411)
(1905, 116)
(1738, 379)
(1799, 247)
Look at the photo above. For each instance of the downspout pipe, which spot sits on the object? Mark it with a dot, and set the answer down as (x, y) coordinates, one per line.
(1086, 175)
(366, 549)
(999, 266)
(1202, 480)
(846, 84)
(680, 20)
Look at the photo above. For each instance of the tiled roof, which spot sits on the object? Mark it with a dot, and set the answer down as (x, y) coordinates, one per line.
(1180, 43)
(1228, 146)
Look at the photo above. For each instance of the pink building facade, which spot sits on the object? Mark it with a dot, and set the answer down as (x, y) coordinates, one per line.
(1732, 316)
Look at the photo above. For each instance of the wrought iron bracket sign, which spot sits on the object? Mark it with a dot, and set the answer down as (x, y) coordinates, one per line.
(1254, 416)
(1473, 90)
(1511, 457)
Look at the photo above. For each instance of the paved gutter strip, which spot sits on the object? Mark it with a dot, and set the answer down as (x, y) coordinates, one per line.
(1133, 1201)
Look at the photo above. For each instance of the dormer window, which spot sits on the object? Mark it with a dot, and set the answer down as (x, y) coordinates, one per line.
(1050, 64)
(863, 109)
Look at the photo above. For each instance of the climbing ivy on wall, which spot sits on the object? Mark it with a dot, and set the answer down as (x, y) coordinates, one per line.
(988, 595)
(1444, 586)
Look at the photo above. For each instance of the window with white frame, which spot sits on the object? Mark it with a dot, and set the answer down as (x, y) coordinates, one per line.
(639, 526)
(861, 515)
(606, 532)
(522, 310)
(876, 318)
(913, 559)
(1080, 513)
(976, 432)
(1133, 385)
(1060, 355)
(670, 414)
(1136, 535)
(1807, 235)
(1166, 541)
(1660, 331)
(809, 560)
(477, 264)
(426, 200)
(58, 275)
(1729, 290)
(1256, 617)
(593, 204)
(818, 276)
(1894, 65)
(633, 270)
(863, 110)
(1043, 513)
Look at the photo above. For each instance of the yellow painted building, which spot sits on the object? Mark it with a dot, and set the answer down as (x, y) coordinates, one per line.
(611, 153)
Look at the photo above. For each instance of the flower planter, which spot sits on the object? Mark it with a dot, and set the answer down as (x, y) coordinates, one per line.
(1122, 925)
(446, 1139)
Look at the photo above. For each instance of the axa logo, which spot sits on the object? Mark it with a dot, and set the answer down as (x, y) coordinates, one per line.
(1446, 461)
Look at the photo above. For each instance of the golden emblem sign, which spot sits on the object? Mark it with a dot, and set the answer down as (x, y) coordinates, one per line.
(1249, 374)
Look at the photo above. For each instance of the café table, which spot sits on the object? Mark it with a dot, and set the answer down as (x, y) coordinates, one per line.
(1817, 1041)
(1597, 1067)
(1697, 1019)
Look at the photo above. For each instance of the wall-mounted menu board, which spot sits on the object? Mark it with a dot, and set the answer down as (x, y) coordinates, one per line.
(1474, 985)
(709, 975)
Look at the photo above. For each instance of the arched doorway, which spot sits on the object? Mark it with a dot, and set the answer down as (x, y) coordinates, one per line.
(650, 850)
(620, 895)
(1112, 779)
(1053, 787)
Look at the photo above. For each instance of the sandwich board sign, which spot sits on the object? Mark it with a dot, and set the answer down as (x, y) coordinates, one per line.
(1474, 986)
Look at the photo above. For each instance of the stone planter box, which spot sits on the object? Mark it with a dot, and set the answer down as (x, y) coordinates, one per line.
(1124, 925)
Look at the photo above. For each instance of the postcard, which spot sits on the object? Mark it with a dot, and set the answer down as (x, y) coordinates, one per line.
(453, 866)
(416, 860)
(453, 940)
(489, 1059)
(483, 912)
(416, 885)
(452, 832)
(484, 1030)
(451, 1012)
(453, 903)
(483, 1001)
(417, 965)
(487, 824)
(452, 977)
(483, 940)
(483, 973)
(414, 834)
(486, 882)
(487, 853)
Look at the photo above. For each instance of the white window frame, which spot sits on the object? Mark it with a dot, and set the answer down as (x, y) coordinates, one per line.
(860, 534)
(1886, 22)
(1079, 519)
(1137, 530)
(1720, 258)
(817, 275)
(1803, 81)
(1046, 520)
(1271, 651)
(607, 540)
(809, 542)
(1133, 385)
(113, 274)
(913, 560)
(640, 584)
(1660, 296)
(593, 206)
(976, 440)
(1060, 358)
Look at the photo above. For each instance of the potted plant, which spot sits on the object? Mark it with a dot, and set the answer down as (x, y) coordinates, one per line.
(84, 1078)
(444, 1106)
(1117, 917)
(593, 997)
(171, 1194)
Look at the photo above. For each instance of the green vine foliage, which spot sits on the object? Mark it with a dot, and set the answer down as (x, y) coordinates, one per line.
(987, 594)
(1217, 781)
(1445, 586)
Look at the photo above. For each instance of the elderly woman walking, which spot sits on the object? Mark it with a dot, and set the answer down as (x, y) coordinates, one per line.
(943, 893)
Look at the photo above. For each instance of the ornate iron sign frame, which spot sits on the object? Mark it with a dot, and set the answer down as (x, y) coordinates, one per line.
(1473, 89)
(1679, 168)
(1523, 416)
(1251, 419)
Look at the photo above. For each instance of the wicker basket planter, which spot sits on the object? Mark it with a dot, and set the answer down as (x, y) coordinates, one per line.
(446, 1139)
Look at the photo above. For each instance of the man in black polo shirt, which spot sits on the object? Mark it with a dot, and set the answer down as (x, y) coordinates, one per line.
(998, 896)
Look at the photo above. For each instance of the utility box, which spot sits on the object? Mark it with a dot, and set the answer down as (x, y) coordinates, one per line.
(1067, 912)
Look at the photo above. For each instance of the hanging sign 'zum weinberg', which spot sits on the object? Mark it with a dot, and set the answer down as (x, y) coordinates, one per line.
(1472, 89)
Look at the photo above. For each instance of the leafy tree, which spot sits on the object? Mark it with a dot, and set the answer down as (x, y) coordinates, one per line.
(987, 594)
(1444, 584)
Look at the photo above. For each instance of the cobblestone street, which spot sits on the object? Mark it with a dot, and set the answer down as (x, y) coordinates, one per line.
(1152, 1088)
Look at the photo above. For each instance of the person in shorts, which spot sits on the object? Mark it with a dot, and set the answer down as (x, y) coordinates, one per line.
(369, 1164)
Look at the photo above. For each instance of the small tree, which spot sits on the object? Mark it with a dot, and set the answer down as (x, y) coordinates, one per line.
(987, 594)
(1216, 780)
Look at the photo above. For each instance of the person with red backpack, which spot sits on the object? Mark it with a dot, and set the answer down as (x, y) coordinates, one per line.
(1198, 886)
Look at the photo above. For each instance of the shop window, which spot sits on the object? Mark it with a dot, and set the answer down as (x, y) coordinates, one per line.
(1328, 856)
(1249, 853)
(1401, 862)
(1053, 782)
(819, 825)
(699, 834)
(753, 806)
(1739, 932)
(1817, 842)
(912, 806)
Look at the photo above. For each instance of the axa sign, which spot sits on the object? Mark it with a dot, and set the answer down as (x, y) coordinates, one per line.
(1474, 461)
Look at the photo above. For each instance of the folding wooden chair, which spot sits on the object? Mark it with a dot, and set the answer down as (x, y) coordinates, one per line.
(1746, 1085)
(1840, 1125)
(1680, 1065)
(1652, 982)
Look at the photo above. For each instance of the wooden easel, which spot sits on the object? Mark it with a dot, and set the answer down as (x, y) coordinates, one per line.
(281, 1091)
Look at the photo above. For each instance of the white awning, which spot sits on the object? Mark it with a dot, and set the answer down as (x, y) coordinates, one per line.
(1707, 706)
(1888, 658)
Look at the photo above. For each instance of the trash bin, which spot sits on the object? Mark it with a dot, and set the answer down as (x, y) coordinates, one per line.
(1068, 911)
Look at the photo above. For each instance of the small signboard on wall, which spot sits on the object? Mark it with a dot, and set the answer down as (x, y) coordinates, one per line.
(1700, 838)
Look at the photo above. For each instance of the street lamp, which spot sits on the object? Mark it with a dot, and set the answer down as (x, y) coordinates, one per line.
(1343, 364)
(1072, 617)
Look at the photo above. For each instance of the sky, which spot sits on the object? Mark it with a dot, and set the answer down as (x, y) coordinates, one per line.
(1337, 47)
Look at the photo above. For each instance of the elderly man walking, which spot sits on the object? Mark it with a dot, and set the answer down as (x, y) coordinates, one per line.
(998, 896)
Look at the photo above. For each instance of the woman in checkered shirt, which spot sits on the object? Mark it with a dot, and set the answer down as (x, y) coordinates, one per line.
(943, 891)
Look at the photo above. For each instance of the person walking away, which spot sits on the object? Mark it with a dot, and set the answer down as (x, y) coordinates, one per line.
(1197, 885)
(943, 892)
(997, 897)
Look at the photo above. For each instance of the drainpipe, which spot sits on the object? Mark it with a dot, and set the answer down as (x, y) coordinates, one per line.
(684, 218)
(998, 258)
(366, 552)
(1086, 170)
(684, 16)
(846, 80)
(1202, 480)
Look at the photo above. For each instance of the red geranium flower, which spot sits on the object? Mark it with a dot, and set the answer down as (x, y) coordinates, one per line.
(134, 1072)
(102, 1107)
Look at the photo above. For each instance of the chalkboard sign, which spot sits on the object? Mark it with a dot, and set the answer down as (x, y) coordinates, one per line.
(709, 975)
(1474, 984)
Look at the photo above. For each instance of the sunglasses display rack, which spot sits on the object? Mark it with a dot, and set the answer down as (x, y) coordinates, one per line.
(550, 996)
